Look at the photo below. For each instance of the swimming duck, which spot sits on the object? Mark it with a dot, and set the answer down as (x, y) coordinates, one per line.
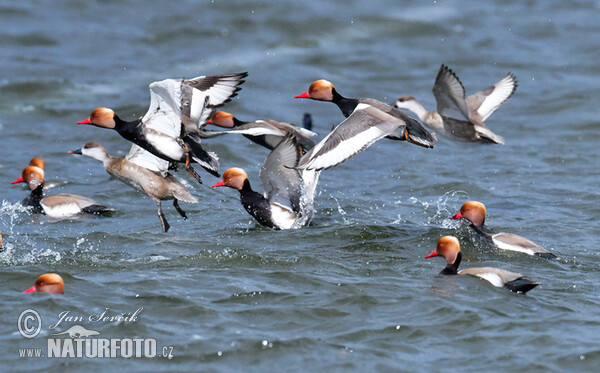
(448, 247)
(267, 132)
(474, 212)
(144, 172)
(178, 109)
(458, 117)
(289, 193)
(368, 120)
(48, 283)
(39, 162)
(57, 206)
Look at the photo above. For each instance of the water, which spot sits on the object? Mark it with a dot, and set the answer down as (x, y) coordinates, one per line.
(353, 293)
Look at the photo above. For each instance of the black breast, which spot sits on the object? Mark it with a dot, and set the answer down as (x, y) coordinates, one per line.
(256, 205)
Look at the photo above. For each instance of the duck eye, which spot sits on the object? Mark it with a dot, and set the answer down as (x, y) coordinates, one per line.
(41, 284)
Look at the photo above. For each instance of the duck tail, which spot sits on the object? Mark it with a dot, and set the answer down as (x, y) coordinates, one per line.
(521, 285)
(417, 134)
(208, 160)
(97, 209)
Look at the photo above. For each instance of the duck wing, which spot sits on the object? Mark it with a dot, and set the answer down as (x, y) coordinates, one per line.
(483, 103)
(362, 128)
(281, 181)
(270, 127)
(145, 159)
(202, 95)
(190, 102)
(449, 94)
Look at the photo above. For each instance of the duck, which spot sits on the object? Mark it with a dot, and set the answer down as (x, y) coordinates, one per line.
(48, 283)
(39, 162)
(1, 243)
(367, 120)
(57, 206)
(461, 118)
(144, 172)
(448, 247)
(178, 110)
(474, 212)
(287, 202)
(264, 132)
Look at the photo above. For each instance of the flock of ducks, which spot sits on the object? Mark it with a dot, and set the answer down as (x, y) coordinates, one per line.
(170, 134)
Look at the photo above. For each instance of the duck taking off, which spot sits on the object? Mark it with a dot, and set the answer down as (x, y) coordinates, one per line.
(287, 202)
(144, 172)
(461, 118)
(179, 108)
(264, 132)
(368, 120)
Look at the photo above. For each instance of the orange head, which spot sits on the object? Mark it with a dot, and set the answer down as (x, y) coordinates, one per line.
(32, 175)
(38, 162)
(473, 211)
(48, 283)
(222, 119)
(321, 90)
(448, 247)
(101, 117)
(233, 178)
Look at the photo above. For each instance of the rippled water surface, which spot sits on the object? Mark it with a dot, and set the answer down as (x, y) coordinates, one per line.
(352, 293)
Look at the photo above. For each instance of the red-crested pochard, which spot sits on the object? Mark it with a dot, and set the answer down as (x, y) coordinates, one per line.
(48, 283)
(144, 172)
(57, 206)
(178, 110)
(458, 117)
(474, 212)
(448, 247)
(289, 193)
(39, 162)
(267, 132)
(368, 120)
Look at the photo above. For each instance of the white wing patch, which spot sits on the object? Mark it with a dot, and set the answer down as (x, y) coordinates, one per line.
(282, 216)
(164, 114)
(258, 131)
(506, 246)
(502, 91)
(145, 159)
(349, 147)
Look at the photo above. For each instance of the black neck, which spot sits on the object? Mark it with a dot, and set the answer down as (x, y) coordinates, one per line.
(237, 122)
(452, 269)
(126, 128)
(246, 187)
(346, 105)
(35, 198)
(479, 229)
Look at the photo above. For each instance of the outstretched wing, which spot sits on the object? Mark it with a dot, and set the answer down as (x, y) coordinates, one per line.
(361, 129)
(190, 102)
(202, 95)
(144, 158)
(282, 182)
(483, 103)
(164, 114)
(449, 94)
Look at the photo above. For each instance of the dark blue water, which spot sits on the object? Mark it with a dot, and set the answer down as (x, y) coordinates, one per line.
(354, 292)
